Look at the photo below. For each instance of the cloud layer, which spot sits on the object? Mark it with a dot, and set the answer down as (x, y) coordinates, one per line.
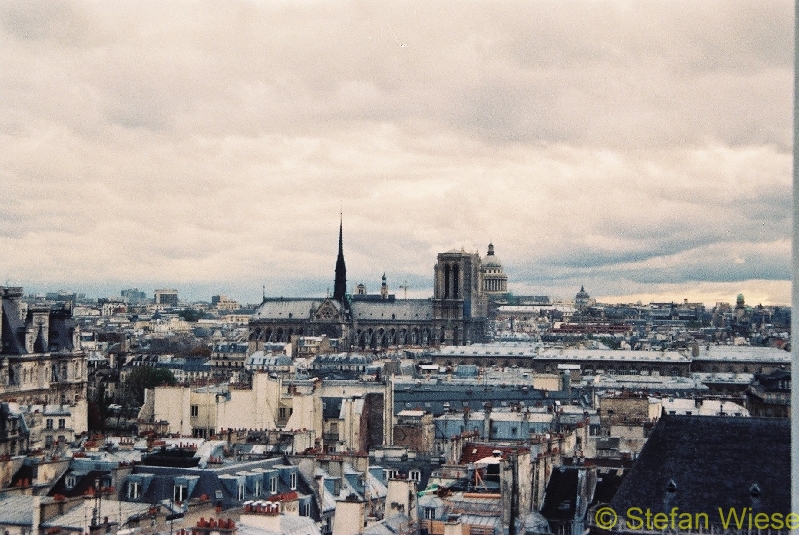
(640, 148)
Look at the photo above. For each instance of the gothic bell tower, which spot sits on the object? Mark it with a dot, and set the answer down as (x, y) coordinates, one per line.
(340, 284)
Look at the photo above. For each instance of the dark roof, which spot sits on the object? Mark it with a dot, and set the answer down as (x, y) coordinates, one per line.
(158, 481)
(561, 495)
(607, 484)
(176, 458)
(702, 463)
(83, 482)
(331, 408)
(475, 451)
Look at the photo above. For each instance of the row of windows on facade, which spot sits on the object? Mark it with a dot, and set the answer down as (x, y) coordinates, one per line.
(283, 412)
(62, 423)
(37, 373)
(180, 493)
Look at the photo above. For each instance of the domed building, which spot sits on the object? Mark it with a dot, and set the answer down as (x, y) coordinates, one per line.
(582, 300)
(495, 282)
(740, 308)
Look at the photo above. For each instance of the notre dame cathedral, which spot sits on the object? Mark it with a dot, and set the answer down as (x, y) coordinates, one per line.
(456, 314)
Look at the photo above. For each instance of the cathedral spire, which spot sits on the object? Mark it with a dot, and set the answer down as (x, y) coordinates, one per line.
(340, 284)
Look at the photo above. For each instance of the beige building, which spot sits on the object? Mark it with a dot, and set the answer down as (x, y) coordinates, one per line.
(269, 404)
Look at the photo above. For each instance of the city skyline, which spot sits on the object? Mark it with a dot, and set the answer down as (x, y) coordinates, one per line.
(642, 150)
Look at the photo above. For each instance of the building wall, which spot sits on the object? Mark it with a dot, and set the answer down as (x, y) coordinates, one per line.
(417, 436)
(627, 409)
(173, 404)
(204, 417)
(306, 414)
(401, 498)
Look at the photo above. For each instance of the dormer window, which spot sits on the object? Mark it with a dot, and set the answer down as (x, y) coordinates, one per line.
(134, 490)
(69, 481)
(671, 486)
(180, 493)
(754, 490)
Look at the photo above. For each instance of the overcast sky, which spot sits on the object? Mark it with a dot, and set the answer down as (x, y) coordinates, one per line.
(642, 149)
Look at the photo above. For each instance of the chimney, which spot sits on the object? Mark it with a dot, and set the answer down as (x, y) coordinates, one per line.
(566, 382)
(37, 514)
(453, 526)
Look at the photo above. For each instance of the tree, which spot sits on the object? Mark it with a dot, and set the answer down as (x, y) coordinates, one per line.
(144, 377)
(191, 315)
(200, 351)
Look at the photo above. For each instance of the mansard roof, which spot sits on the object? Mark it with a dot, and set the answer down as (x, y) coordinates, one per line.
(703, 463)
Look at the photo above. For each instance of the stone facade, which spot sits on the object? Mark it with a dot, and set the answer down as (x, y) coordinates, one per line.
(43, 370)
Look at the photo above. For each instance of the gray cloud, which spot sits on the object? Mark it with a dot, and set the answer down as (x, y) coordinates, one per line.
(208, 144)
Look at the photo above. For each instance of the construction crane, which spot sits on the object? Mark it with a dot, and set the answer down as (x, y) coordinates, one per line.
(405, 288)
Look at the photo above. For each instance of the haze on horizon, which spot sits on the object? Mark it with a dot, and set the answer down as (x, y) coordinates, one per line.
(642, 149)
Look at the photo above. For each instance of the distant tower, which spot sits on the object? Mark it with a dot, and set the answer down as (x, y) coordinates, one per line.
(459, 303)
(582, 300)
(495, 282)
(740, 307)
(340, 285)
(384, 288)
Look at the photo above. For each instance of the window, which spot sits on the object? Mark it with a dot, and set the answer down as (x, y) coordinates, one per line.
(429, 513)
(179, 493)
(293, 480)
(240, 492)
(48, 441)
(415, 475)
(70, 481)
(62, 423)
(134, 490)
(257, 488)
(195, 410)
(49, 423)
(273, 485)
(306, 509)
(389, 474)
